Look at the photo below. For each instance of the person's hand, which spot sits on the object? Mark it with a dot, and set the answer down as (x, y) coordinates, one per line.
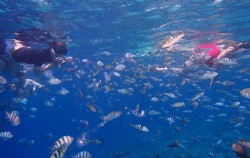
(68, 59)
(58, 61)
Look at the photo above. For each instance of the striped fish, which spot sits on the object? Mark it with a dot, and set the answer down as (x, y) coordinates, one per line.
(154, 112)
(120, 67)
(5, 135)
(225, 52)
(18, 100)
(112, 115)
(197, 96)
(13, 117)
(54, 81)
(208, 75)
(228, 62)
(59, 153)
(137, 113)
(245, 93)
(63, 91)
(83, 154)
(91, 107)
(172, 40)
(140, 127)
(129, 56)
(62, 141)
(171, 95)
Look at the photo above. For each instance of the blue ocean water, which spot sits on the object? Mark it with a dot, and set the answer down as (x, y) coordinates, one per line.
(105, 31)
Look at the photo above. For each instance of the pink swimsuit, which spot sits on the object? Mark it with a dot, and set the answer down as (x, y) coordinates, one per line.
(213, 51)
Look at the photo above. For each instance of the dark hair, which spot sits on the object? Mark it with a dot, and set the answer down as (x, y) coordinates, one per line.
(59, 47)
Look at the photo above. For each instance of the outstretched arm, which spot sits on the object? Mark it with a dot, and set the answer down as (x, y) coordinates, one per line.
(56, 62)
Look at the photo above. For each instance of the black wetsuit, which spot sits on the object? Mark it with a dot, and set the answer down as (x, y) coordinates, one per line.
(32, 56)
(26, 55)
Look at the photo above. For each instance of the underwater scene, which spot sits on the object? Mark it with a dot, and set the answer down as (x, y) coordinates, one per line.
(124, 79)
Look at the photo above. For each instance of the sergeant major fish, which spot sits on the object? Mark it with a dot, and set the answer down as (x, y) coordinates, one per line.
(140, 127)
(172, 40)
(62, 141)
(13, 117)
(54, 81)
(245, 93)
(208, 75)
(59, 153)
(112, 115)
(197, 96)
(5, 135)
(83, 154)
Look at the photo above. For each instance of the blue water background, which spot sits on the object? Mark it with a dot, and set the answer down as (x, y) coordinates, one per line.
(136, 26)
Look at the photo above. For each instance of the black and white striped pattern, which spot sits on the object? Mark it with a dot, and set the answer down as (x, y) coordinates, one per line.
(65, 140)
(5, 135)
(13, 117)
(83, 154)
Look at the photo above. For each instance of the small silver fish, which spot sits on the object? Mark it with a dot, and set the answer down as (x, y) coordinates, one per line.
(54, 81)
(100, 64)
(197, 96)
(178, 105)
(208, 75)
(227, 61)
(154, 112)
(112, 115)
(172, 40)
(3, 80)
(155, 99)
(83, 154)
(171, 95)
(120, 67)
(140, 127)
(63, 91)
(245, 93)
(5, 135)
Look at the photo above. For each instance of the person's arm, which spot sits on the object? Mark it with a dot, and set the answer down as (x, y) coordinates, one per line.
(56, 62)
(233, 46)
(40, 69)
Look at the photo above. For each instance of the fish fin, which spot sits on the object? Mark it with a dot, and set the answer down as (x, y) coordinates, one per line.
(7, 114)
(103, 117)
(211, 82)
(52, 149)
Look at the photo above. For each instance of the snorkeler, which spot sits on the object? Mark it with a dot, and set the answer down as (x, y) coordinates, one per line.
(240, 151)
(13, 52)
(209, 54)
